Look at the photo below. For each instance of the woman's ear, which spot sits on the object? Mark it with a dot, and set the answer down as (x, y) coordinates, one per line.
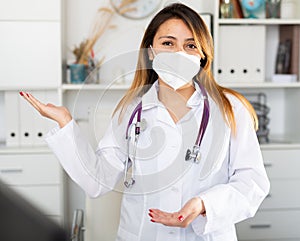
(150, 54)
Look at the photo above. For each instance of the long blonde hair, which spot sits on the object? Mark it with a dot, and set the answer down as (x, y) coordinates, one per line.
(145, 76)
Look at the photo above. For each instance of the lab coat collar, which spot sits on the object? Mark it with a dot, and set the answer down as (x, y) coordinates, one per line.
(196, 98)
(150, 99)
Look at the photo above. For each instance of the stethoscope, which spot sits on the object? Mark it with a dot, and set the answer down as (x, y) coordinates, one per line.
(193, 155)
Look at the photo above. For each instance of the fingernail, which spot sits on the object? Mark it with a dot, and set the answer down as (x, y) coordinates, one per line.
(150, 210)
(21, 93)
(27, 94)
(150, 215)
(180, 218)
(152, 221)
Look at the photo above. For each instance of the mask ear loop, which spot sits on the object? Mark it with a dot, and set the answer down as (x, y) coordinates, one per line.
(152, 50)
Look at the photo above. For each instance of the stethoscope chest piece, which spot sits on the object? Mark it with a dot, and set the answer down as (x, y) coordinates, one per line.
(194, 155)
(129, 183)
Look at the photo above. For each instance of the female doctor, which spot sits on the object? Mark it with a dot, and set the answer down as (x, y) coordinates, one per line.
(185, 147)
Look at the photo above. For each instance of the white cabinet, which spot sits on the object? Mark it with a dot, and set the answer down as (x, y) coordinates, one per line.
(279, 214)
(30, 44)
(271, 225)
(31, 54)
(246, 61)
(31, 61)
(37, 177)
(21, 10)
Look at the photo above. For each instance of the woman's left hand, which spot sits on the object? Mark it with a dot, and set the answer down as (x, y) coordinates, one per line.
(192, 209)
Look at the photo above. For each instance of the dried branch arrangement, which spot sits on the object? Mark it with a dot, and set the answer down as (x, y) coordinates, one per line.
(101, 24)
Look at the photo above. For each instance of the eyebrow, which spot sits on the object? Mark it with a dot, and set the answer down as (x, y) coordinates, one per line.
(172, 37)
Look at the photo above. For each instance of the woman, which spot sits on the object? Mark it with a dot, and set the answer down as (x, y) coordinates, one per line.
(195, 197)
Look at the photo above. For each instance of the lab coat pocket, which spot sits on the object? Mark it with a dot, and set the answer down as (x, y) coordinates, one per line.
(124, 235)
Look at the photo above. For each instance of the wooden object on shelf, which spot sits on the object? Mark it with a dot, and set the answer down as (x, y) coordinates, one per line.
(237, 9)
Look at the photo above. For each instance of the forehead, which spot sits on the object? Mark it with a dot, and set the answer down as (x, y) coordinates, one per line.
(174, 27)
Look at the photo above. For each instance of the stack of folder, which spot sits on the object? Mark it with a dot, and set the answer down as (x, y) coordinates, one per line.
(24, 126)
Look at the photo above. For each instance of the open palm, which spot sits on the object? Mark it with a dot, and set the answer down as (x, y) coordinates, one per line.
(60, 114)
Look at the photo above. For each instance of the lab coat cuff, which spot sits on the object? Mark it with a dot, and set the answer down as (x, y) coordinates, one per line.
(57, 130)
(199, 225)
(214, 221)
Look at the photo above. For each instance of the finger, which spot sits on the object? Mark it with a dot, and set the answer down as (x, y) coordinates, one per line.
(26, 96)
(158, 214)
(34, 100)
(165, 218)
(41, 107)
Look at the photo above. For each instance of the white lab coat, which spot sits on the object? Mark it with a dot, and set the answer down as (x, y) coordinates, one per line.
(232, 185)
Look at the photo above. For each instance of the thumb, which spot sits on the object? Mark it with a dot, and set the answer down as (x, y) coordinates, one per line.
(50, 105)
(192, 206)
(183, 213)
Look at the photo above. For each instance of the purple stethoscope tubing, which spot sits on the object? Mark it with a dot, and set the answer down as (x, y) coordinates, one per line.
(138, 110)
(205, 116)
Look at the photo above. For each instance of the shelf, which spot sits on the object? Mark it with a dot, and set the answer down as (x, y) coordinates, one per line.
(23, 150)
(281, 146)
(15, 88)
(230, 85)
(251, 21)
(93, 87)
(266, 85)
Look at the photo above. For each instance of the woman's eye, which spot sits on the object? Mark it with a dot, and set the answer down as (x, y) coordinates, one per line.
(167, 43)
(192, 46)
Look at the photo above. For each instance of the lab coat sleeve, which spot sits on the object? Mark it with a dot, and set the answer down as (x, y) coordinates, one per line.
(248, 184)
(95, 172)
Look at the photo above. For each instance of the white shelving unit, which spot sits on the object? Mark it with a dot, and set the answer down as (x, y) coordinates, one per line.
(30, 49)
(278, 216)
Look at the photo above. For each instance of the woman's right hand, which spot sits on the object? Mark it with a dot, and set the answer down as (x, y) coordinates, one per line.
(60, 114)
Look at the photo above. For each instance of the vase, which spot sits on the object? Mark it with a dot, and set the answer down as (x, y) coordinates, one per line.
(78, 73)
(273, 8)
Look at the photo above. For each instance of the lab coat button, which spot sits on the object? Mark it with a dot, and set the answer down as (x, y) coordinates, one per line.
(171, 232)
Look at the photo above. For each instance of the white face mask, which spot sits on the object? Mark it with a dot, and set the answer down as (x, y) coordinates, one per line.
(176, 68)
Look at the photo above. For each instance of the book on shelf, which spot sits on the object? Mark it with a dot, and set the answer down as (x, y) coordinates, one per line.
(291, 33)
(284, 78)
(283, 58)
